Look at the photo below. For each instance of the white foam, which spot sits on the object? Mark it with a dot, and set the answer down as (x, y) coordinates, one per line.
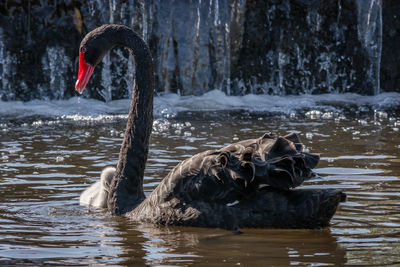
(169, 105)
(217, 100)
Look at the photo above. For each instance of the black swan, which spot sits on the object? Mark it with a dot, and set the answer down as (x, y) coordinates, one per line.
(246, 184)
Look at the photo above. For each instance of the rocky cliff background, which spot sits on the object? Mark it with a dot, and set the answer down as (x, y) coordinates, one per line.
(239, 46)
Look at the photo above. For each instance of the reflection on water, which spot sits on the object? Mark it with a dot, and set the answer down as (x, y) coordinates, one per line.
(46, 163)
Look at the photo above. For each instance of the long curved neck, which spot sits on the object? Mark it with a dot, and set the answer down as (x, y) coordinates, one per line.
(126, 190)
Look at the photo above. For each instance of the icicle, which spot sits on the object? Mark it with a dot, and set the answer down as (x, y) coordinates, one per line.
(106, 79)
(370, 35)
(55, 64)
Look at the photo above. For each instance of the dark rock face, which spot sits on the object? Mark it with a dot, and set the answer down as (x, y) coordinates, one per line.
(28, 32)
(292, 47)
(390, 61)
(240, 47)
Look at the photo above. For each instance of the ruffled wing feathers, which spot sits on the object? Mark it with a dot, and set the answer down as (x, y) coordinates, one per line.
(231, 173)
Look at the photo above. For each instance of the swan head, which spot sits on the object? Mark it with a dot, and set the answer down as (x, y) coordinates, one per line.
(91, 51)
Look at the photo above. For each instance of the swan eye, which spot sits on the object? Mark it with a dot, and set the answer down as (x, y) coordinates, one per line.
(83, 49)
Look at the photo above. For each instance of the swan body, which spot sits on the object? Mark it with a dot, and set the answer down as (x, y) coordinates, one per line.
(97, 194)
(245, 184)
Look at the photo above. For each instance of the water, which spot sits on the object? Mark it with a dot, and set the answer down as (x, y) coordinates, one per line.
(47, 160)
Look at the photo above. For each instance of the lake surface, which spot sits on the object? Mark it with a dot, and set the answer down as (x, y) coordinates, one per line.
(47, 161)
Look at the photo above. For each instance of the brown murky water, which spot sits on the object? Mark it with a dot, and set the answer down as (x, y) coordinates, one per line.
(45, 164)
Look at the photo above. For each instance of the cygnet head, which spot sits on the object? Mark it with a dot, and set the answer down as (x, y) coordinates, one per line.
(97, 194)
(106, 176)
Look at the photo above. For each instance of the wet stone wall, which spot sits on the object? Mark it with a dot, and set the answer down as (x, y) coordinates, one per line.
(239, 47)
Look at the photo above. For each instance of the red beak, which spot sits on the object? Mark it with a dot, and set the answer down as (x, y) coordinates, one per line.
(85, 71)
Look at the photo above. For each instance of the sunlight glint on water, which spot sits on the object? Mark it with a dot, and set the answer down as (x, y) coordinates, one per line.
(47, 160)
